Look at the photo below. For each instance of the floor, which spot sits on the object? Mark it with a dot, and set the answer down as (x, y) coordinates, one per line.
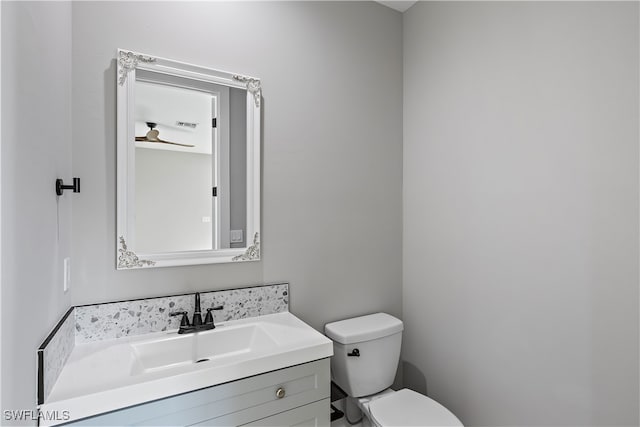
(342, 422)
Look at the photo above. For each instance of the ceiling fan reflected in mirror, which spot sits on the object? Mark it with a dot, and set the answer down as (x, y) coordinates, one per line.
(152, 136)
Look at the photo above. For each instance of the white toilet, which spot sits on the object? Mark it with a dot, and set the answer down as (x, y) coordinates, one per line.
(366, 351)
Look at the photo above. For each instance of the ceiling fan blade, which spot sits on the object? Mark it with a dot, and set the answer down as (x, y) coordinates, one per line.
(152, 136)
(173, 143)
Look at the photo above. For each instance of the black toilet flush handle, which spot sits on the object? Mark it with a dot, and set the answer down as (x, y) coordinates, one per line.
(354, 353)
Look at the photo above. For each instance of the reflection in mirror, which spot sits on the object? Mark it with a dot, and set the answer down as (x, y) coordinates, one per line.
(198, 184)
(188, 165)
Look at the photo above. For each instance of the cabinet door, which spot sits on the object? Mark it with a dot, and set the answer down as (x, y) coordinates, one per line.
(314, 414)
(234, 403)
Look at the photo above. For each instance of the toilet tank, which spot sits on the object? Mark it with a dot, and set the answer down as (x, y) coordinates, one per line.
(377, 339)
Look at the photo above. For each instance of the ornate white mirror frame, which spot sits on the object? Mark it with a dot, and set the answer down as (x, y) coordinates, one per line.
(126, 255)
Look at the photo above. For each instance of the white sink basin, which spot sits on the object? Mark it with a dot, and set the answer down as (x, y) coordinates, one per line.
(202, 347)
(107, 375)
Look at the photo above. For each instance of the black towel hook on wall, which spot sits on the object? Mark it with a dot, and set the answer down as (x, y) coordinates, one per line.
(60, 187)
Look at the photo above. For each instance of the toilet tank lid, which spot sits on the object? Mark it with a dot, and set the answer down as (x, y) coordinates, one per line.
(363, 328)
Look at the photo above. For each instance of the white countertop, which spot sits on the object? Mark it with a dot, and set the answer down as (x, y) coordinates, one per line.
(107, 375)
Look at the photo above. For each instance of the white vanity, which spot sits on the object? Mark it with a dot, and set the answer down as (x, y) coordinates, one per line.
(271, 370)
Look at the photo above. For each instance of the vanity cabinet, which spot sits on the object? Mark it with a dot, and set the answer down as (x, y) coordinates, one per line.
(297, 395)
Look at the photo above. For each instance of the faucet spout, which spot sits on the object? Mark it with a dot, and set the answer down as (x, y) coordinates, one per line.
(197, 315)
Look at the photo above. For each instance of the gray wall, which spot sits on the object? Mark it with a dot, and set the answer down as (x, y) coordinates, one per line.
(36, 149)
(520, 291)
(332, 148)
(238, 164)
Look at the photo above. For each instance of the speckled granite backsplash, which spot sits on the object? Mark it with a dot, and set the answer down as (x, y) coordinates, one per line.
(53, 354)
(112, 320)
(119, 319)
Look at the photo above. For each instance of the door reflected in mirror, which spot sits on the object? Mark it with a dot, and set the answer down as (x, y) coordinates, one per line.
(198, 184)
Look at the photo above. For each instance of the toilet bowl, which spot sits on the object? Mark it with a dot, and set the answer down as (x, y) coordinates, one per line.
(366, 354)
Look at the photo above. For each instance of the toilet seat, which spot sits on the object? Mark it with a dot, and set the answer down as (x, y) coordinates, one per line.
(408, 408)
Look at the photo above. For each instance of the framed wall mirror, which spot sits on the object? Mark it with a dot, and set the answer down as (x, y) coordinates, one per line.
(188, 164)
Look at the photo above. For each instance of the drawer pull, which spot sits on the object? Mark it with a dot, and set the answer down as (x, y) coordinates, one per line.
(280, 393)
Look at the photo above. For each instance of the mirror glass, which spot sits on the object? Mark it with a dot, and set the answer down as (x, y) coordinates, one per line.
(188, 164)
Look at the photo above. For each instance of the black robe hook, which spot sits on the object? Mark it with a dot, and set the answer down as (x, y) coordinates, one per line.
(60, 187)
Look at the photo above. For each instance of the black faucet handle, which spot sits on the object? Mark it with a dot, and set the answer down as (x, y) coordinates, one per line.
(185, 318)
(209, 317)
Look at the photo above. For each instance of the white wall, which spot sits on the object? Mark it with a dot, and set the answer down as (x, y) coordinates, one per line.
(36, 149)
(332, 149)
(520, 291)
(173, 194)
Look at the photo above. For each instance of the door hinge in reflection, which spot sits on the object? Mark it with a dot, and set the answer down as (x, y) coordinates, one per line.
(215, 191)
(214, 122)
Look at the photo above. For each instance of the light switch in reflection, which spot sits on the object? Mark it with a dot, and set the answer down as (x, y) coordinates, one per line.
(236, 236)
(206, 219)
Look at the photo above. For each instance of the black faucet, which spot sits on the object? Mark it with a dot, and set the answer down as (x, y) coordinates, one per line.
(197, 317)
(197, 324)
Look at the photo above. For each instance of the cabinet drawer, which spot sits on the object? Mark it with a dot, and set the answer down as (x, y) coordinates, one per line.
(314, 414)
(238, 402)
